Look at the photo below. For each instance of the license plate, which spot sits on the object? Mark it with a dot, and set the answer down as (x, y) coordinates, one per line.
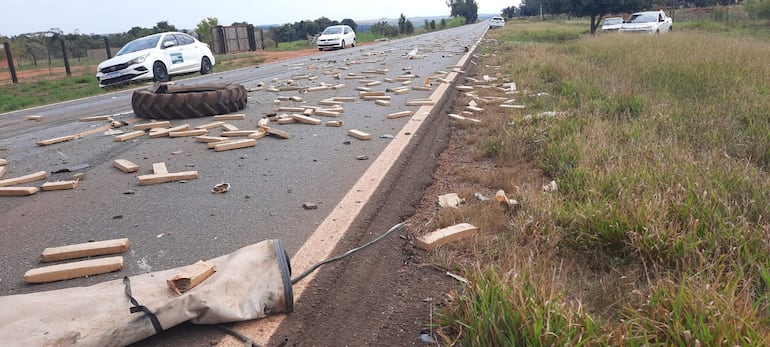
(112, 75)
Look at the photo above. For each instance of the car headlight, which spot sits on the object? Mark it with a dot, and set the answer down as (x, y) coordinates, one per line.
(138, 60)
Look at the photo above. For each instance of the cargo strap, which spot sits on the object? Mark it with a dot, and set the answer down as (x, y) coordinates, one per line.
(140, 308)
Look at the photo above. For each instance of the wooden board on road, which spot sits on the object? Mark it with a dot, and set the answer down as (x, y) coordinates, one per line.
(128, 136)
(59, 185)
(153, 125)
(17, 191)
(125, 165)
(73, 270)
(145, 180)
(359, 134)
(82, 250)
(226, 146)
(37, 176)
(55, 140)
(237, 116)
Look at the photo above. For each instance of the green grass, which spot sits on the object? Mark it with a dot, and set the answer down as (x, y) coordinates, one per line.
(661, 152)
(24, 95)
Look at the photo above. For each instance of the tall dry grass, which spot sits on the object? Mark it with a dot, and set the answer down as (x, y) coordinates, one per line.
(659, 229)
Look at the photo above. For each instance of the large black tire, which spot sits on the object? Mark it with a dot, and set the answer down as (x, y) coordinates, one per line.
(180, 102)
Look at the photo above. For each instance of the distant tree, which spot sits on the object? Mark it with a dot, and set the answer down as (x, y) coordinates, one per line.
(442, 25)
(163, 26)
(432, 24)
(530, 8)
(351, 23)
(384, 29)
(427, 24)
(408, 27)
(203, 29)
(467, 9)
(402, 24)
(758, 8)
(509, 11)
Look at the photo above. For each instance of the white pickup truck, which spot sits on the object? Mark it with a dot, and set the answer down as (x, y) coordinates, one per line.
(651, 22)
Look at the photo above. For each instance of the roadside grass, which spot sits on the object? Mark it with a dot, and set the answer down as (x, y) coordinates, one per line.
(24, 95)
(658, 233)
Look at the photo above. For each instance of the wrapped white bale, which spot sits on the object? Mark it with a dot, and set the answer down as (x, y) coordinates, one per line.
(250, 283)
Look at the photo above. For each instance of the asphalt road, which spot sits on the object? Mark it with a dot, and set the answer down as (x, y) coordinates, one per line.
(175, 224)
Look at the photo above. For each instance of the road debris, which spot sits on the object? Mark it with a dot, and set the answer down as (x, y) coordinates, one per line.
(309, 206)
(161, 177)
(446, 235)
(82, 250)
(125, 165)
(400, 114)
(226, 146)
(59, 185)
(449, 200)
(191, 276)
(17, 191)
(128, 136)
(96, 118)
(55, 140)
(36, 118)
(152, 125)
(37, 176)
(221, 188)
(359, 134)
(73, 270)
(238, 116)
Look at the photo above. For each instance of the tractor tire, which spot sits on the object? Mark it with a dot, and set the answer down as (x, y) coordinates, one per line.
(181, 102)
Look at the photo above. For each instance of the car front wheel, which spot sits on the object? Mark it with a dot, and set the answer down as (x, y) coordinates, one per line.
(354, 43)
(342, 46)
(206, 66)
(160, 74)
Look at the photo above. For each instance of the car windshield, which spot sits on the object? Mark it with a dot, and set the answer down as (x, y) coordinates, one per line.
(643, 18)
(139, 45)
(332, 31)
(497, 19)
(612, 21)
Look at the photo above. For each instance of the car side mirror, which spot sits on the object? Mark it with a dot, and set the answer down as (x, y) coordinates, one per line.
(168, 44)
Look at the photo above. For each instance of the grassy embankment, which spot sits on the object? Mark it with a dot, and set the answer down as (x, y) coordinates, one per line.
(659, 233)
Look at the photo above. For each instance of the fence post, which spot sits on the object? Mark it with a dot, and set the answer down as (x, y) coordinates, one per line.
(9, 59)
(107, 46)
(66, 59)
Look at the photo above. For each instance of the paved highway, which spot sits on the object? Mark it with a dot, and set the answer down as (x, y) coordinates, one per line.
(175, 224)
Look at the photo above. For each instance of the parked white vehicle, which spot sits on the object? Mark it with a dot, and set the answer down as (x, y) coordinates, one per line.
(612, 24)
(336, 36)
(496, 22)
(156, 57)
(652, 22)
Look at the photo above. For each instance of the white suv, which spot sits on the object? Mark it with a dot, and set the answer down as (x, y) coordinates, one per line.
(156, 57)
(337, 36)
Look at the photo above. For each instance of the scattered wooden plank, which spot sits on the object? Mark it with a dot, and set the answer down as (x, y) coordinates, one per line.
(209, 139)
(145, 180)
(306, 120)
(330, 103)
(382, 102)
(128, 136)
(159, 168)
(211, 145)
(421, 88)
(258, 135)
(318, 89)
(187, 133)
(376, 97)
(82, 250)
(290, 109)
(344, 98)
(152, 125)
(327, 113)
(420, 102)
(35, 118)
(156, 133)
(443, 236)
(237, 116)
(238, 133)
(226, 146)
(37, 176)
(17, 191)
(73, 270)
(400, 114)
(263, 122)
(371, 93)
(125, 165)
(334, 123)
(277, 132)
(59, 185)
(191, 276)
(286, 120)
(401, 91)
(96, 118)
(2, 171)
(359, 134)
(210, 126)
(55, 140)
(229, 127)
(3, 162)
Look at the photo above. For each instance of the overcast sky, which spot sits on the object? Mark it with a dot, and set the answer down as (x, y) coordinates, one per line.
(115, 16)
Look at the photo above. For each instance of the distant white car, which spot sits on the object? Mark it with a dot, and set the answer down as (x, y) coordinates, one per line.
(496, 22)
(612, 24)
(651, 22)
(336, 36)
(156, 57)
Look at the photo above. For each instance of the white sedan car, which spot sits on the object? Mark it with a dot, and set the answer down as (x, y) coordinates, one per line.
(651, 22)
(156, 57)
(496, 22)
(336, 36)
